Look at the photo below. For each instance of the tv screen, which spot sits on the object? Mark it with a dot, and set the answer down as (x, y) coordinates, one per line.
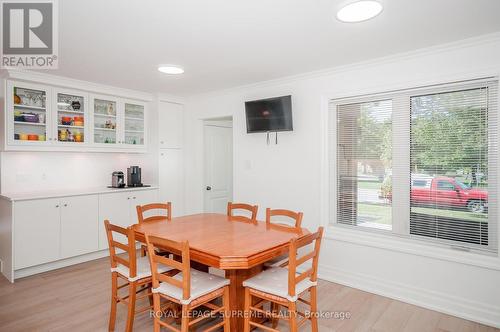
(272, 114)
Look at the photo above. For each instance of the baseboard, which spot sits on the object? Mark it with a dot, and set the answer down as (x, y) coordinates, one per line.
(59, 264)
(442, 302)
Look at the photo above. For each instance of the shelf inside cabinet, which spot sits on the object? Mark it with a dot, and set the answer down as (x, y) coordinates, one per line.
(34, 108)
(25, 123)
(105, 115)
(70, 111)
(105, 129)
(68, 126)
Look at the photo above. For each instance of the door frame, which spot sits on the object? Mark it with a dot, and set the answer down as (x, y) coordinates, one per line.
(221, 121)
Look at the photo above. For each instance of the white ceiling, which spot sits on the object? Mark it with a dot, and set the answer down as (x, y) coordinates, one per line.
(226, 43)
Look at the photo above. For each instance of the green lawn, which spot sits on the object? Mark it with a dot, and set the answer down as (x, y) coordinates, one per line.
(382, 214)
(464, 215)
(369, 185)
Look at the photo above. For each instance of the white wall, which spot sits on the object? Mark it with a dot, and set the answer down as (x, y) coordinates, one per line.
(291, 175)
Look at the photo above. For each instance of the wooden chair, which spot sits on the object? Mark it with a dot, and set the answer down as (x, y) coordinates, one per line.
(231, 207)
(141, 209)
(189, 288)
(283, 287)
(154, 206)
(296, 218)
(136, 273)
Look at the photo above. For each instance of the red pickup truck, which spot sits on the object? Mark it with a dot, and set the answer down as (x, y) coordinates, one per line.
(445, 191)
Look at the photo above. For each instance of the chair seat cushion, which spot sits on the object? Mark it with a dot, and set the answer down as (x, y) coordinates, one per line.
(202, 283)
(275, 282)
(143, 269)
(276, 261)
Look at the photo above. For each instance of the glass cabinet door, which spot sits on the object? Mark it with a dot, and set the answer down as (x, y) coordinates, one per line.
(134, 124)
(70, 118)
(29, 114)
(105, 121)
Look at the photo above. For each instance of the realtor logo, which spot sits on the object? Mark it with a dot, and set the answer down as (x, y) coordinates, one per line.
(29, 34)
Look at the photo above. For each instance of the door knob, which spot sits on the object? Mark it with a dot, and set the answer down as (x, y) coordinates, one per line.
(209, 188)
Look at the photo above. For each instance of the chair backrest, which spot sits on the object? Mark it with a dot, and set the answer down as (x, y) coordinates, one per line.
(295, 216)
(128, 247)
(295, 261)
(231, 207)
(181, 249)
(154, 206)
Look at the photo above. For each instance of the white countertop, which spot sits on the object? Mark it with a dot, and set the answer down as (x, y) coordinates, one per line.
(65, 193)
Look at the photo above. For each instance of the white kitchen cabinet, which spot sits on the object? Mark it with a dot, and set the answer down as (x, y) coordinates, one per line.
(39, 117)
(171, 125)
(49, 232)
(70, 118)
(171, 179)
(79, 225)
(106, 121)
(28, 115)
(36, 232)
(134, 124)
(120, 209)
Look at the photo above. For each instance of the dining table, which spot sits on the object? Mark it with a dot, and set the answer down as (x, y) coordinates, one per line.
(217, 240)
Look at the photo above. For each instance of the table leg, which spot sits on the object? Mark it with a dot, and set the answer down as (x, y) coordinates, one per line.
(237, 294)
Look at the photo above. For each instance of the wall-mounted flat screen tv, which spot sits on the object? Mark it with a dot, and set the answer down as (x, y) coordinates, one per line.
(272, 114)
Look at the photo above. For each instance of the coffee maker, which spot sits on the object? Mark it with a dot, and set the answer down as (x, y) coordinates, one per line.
(117, 180)
(134, 176)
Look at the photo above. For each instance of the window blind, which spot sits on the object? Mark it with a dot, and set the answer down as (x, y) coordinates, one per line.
(364, 156)
(441, 183)
(453, 165)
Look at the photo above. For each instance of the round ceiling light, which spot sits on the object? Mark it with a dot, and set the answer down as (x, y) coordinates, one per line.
(170, 69)
(359, 11)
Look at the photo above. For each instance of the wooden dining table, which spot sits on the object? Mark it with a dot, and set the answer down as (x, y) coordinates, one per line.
(218, 241)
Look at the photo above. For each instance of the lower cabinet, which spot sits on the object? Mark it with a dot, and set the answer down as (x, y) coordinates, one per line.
(36, 232)
(79, 229)
(47, 230)
(120, 209)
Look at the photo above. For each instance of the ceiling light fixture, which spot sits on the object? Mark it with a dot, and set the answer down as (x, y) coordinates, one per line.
(170, 69)
(359, 11)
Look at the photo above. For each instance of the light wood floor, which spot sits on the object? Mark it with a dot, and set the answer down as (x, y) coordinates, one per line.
(76, 298)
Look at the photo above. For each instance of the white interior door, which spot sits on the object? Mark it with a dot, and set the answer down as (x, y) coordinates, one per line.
(218, 168)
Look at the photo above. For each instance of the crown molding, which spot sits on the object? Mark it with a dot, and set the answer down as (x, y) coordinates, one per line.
(442, 48)
(32, 76)
(170, 98)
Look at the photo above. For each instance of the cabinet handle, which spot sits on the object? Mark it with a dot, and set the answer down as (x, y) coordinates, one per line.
(65, 205)
(128, 197)
(134, 197)
(57, 205)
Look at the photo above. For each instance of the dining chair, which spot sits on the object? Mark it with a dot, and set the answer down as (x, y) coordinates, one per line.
(134, 271)
(284, 287)
(296, 220)
(142, 211)
(189, 288)
(252, 209)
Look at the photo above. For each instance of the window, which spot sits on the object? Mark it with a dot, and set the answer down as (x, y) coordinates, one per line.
(364, 158)
(420, 163)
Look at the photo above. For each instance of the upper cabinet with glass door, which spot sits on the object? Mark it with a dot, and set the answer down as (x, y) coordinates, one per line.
(105, 121)
(71, 117)
(27, 114)
(134, 124)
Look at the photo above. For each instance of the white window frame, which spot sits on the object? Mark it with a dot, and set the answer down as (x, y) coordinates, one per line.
(399, 239)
